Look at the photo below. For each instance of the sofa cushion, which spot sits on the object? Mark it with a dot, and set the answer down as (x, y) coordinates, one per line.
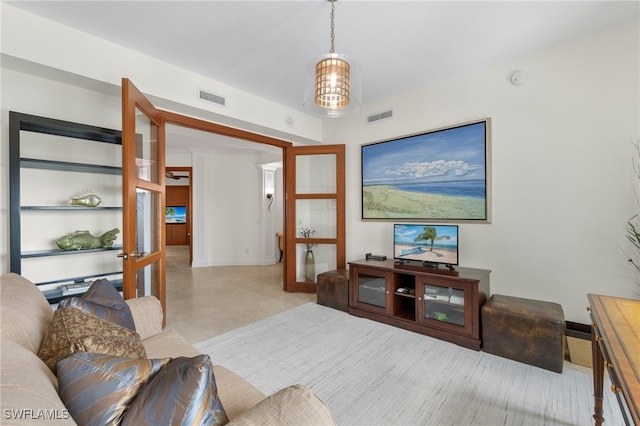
(169, 343)
(69, 325)
(147, 315)
(97, 388)
(29, 389)
(236, 394)
(294, 405)
(24, 311)
(183, 392)
(103, 300)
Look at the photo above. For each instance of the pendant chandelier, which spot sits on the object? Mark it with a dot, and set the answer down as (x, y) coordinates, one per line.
(336, 84)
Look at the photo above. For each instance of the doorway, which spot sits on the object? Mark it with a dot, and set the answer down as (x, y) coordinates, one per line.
(178, 209)
(237, 197)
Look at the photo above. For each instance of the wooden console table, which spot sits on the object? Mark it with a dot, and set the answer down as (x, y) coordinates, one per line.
(615, 344)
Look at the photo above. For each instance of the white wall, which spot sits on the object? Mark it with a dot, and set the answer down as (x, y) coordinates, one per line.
(562, 176)
(233, 200)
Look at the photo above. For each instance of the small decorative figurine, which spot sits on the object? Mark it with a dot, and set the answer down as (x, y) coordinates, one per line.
(86, 199)
(83, 240)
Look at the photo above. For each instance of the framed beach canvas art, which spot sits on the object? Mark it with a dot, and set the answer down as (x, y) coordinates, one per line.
(438, 175)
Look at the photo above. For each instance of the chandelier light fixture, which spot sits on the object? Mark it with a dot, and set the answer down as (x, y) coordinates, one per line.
(336, 84)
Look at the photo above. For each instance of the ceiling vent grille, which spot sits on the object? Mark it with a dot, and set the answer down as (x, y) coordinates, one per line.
(212, 97)
(384, 115)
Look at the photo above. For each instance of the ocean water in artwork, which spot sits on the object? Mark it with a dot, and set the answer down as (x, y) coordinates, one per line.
(469, 188)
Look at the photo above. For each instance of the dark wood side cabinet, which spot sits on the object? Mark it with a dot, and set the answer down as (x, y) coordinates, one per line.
(440, 303)
(615, 344)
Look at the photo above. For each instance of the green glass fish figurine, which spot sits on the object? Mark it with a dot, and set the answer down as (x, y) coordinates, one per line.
(83, 240)
(86, 199)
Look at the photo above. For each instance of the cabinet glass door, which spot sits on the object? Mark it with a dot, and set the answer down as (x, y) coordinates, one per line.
(372, 290)
(369, 290)
(445, 306)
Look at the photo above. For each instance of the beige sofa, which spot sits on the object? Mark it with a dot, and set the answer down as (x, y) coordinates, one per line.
(30, 389)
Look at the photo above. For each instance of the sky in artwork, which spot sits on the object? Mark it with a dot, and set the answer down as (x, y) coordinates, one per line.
(454, 154)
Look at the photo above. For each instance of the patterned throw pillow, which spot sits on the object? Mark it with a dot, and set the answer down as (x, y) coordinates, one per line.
(113, 345)
(69, 330)
(104, 301)
(184, 392)
(97, 389)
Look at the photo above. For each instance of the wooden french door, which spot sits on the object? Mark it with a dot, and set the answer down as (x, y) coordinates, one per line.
(314, 214)
(143, 175)
(314, 184)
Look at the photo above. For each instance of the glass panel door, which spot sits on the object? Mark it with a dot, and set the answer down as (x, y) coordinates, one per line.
(314, 185)
(143, 196)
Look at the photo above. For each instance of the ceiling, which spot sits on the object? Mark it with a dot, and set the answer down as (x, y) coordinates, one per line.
(263, 47)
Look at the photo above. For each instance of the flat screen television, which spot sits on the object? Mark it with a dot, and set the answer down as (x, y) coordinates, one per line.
(432, 245)
(176, 214)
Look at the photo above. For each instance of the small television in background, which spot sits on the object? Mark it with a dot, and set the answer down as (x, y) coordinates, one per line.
(176, 214)
(432, 245)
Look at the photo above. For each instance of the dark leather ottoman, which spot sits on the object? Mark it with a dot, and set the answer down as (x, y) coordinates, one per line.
(529, 331)
(333, 289)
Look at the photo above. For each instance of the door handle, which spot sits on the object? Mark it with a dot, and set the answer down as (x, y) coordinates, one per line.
(137, 255)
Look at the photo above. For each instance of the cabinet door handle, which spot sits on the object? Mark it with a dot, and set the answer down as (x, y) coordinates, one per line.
(588, 308)
(387, 291)
(615, 389)
(124, 256)
(137, 255)
(608, 364)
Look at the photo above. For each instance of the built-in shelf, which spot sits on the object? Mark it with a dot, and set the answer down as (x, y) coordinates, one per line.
(41, 137)
(83, 278)
(55, 296)
(36, 163)
(60, 252)
(69, 208)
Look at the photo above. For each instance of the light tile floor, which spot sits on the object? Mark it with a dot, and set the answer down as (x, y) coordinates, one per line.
(204, 302)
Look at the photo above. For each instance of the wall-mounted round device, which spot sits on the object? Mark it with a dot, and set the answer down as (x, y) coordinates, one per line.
(519, 78)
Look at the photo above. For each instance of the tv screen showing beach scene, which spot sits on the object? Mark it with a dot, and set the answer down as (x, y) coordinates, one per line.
(436, 175)
(426, 243)
(176, 214)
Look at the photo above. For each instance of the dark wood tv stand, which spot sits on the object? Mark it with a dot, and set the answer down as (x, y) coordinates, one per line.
(436, 302)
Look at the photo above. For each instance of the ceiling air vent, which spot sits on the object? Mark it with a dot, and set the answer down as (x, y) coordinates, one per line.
(384, 115)
(212, 97)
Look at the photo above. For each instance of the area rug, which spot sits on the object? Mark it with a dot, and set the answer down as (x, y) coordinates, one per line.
(370, 373)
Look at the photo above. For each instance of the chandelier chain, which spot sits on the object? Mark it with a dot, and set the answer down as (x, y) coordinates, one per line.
(333, 26)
